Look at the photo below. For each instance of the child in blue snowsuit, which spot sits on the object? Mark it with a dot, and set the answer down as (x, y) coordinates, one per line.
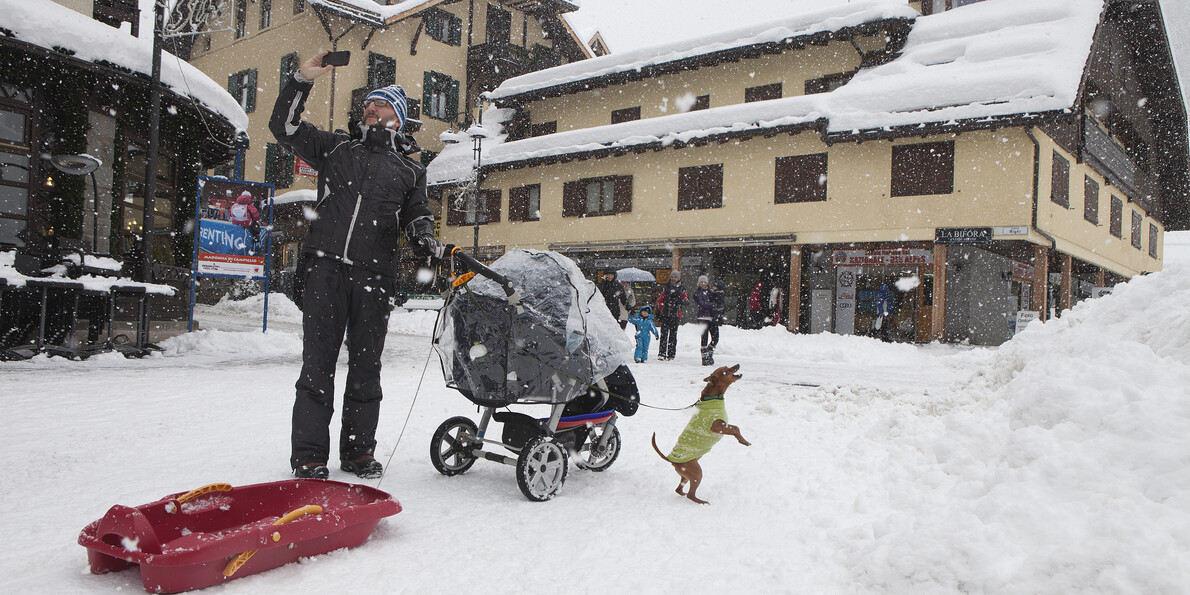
(644, 325)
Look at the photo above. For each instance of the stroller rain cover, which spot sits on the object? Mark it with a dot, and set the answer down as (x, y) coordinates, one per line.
(563, 336)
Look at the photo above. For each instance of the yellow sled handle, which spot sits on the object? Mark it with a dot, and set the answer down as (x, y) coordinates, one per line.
(290, 516)
(192, 494)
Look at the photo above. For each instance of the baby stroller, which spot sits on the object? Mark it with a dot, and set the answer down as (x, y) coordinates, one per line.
(531, 330)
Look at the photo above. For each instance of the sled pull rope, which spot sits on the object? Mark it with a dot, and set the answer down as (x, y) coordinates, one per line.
(292, 515)
(520, 349)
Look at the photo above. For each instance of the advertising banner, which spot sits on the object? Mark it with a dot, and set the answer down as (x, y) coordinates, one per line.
(845, 294)
(234, 221)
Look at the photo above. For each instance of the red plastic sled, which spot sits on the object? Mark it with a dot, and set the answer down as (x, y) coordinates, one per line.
(217, 533)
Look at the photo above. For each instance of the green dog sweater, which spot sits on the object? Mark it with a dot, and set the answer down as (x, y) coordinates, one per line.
(698, 439)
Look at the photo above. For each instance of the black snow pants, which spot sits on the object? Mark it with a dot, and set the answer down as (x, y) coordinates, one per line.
(340, 298)
(669, 338)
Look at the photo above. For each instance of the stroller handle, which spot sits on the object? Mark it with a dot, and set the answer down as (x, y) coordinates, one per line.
(470, 263)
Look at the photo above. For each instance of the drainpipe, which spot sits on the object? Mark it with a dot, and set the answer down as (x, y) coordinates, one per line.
(1036, 185)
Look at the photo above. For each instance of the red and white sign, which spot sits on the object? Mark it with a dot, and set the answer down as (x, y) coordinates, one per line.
(230, 264)
(887, 257)
(1022, 271)
(301, 168)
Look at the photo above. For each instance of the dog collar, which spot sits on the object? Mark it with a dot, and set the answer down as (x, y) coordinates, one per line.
(718, 397)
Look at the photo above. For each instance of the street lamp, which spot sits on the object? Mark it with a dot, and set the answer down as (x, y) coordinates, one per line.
(81, 165)
(476, 133)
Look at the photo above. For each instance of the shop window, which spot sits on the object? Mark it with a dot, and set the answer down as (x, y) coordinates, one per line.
(700, 187)
(1090, 200)
(800, 178)
(1060, 181)
(762, 93)
(382, 70)
(440, 96)
(1117, 217)
(15, 169)
(278, 166)
(589, 197)
(132, 205)
(475, 209)
(266, 13)
(524, 203)
(242, 86)
(923, 169)
(543, 128)
(1153, 237)
(627, 114)
(1137, 223)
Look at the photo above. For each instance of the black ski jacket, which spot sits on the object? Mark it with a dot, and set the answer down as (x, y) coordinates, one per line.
(368, 190)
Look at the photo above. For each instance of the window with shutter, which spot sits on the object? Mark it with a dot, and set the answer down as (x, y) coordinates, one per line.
(382, 70)
(1117, 217)
(700, 187)
(800, 178)
(762, 93)
(1137, 223)
(289, 65)
(524, 203)
(1060, 181)
(590, 197)
(1090, 200)
(242, 86)
(923, 169)
(627, 114)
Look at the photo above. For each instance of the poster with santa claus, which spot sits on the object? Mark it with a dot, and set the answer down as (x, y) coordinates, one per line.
(234, 223)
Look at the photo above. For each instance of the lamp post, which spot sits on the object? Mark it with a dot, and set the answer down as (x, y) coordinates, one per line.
(81, 165)
(477, 134)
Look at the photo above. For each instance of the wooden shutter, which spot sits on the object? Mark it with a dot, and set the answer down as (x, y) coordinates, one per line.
(284, 168)
(700, 187)
(456, 31)
(491, 202)
(452, 102)
(427, 93)
(1117, 217)
(251, 102)
(456, 213)
(518, 204)
(289, 63)
(922, 169)
(798, 179)
(573, 199)
(1090, 199)
(628, 114)
(1060, 181)
(270, 163)
(622, 196)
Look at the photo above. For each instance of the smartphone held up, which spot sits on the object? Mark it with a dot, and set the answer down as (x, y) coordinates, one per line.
(336, 58)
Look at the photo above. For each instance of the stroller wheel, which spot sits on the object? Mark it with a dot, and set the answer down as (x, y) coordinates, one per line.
(450, 448)
(541, 468)
(595, 459)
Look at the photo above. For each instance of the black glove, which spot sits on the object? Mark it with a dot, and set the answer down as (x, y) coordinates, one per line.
(430, 246)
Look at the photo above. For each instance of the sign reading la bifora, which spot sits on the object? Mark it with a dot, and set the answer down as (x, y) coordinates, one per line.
(886, 257)
(963, 235)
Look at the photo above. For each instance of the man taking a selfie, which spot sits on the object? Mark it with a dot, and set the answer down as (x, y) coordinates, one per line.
(369, 192)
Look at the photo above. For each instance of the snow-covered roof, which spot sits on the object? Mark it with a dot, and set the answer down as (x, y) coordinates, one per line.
(373, 12)
(803, 24)
(988, 60)
(48, 25)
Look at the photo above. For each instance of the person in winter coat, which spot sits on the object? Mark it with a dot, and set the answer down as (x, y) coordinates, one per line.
(756, 306)
(711, 305)
(775, 310)
(613, 296)
(669, 314)
(243, 212)
(369, 192)
(644, 327)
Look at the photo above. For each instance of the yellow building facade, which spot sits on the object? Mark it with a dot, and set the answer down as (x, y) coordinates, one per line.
(739, 161)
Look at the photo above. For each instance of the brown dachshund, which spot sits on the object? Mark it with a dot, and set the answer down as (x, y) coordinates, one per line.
(705, 429)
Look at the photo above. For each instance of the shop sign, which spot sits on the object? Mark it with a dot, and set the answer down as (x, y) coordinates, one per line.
(1011, 230)
(845, 282)
(1023, 318)
(963, 235)
(640, 263)
(301, 168)
(888, 257)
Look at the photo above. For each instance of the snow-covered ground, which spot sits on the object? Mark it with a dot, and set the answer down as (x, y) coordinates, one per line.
(1057, 463)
